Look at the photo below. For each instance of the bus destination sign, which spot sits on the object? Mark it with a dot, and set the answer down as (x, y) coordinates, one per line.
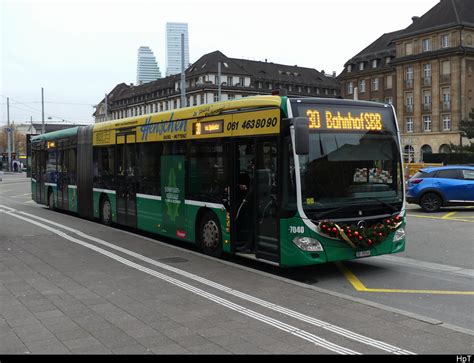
(209, 127)
(344, 121)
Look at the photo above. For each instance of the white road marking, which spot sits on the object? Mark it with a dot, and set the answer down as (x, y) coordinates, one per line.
(305, 318)
(238, 308)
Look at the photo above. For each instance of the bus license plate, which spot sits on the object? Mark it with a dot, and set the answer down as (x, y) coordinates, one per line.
(363, 254)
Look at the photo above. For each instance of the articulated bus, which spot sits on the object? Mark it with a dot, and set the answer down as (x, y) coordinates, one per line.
(290, 182)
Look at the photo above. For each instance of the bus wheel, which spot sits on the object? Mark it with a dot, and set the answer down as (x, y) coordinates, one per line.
(431, 202)
(106, 212)
(210, 237)
(51, 200)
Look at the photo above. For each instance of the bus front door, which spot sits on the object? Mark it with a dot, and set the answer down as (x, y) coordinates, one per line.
(267, 244)
(126, 181)
(254, 222)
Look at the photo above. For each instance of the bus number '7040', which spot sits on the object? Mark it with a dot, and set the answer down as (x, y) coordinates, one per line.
(296, 229)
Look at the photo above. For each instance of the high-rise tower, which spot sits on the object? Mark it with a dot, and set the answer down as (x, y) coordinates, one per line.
(173, 47)
(147, 67)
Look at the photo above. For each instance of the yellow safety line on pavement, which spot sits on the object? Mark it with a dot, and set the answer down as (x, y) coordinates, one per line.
(442, 218)
(359, 286)
(446, 216)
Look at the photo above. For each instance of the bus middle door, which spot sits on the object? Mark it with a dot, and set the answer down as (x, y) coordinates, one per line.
(126, 181)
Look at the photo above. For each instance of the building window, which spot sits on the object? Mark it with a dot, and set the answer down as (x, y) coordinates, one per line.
(445, 71)
(229, 80)
(446, 94)
(388, 60)
(427, 123)
(241, 81)
(388, 82)
(445, 41)
(202, 100)
(374, 63)
(409, 102)
(350, 88)
(216, 97)
(445, 149)
(361, 66)
(426, 100)
(349, 68)
(409, 76)
(426, 43)
(409, 154)
(408, 48)
(375, 84)
(427, 70)
(259, 84)
(446, 122)
(409, 123)
(426, 149)
(362, 86)
(427, 74)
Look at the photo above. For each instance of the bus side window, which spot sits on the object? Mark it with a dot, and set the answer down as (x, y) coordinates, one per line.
(149, 158)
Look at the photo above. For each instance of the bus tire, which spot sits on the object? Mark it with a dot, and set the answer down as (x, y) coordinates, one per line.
(431, 202)
(209, 235)
(51, 205)
(105, 211)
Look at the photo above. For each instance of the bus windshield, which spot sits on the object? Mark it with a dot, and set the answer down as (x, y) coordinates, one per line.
(352, 169)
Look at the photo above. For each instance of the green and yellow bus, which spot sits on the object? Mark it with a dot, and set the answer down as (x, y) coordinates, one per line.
(290, 182)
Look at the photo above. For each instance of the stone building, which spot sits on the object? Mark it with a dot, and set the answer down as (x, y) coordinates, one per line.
(430, 65)
(239, 78)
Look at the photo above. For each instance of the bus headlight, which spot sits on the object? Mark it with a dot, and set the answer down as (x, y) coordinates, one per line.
(308, 244)
(399, 235)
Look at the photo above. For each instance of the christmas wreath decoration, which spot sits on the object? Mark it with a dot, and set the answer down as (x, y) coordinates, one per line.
(356, 236)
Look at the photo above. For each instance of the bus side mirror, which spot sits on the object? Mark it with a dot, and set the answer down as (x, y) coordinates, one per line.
(301, 125)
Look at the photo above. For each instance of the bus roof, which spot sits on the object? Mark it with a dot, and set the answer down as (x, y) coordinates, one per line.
(197, 111)
(56, 134)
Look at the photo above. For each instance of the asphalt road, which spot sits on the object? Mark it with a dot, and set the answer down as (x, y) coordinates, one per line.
(69, 285)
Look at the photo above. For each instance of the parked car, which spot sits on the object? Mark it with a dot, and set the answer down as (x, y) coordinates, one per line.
(433, 188)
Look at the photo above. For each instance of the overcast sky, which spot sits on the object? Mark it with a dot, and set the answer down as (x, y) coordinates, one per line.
(78, 51)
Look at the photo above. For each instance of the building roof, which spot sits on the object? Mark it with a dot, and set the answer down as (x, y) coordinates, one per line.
(237, 67)
(445, 14)
(380, 48)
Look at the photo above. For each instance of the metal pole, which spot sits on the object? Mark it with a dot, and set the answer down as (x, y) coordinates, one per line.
(42, 111)
(106, 108)
(218, 81)
(13, 137)
(9, 146)
(183, 75)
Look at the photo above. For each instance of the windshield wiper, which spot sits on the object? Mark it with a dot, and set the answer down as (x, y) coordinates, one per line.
(392, 207)
(317, 216)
